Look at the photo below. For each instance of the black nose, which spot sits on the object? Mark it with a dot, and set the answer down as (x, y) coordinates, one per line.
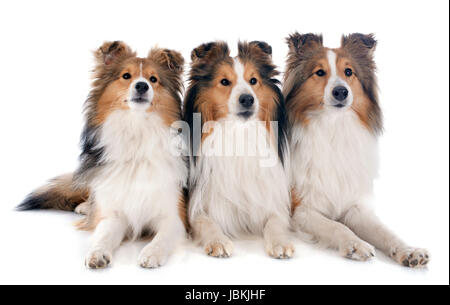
(340, 93)
(141, 87)
(246, 100)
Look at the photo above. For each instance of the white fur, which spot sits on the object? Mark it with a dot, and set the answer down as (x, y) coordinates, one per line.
(334, 160)
(333, 81)
(133, 93)
(241, 87)
(233, 193)
(140, 184)
(236, 191)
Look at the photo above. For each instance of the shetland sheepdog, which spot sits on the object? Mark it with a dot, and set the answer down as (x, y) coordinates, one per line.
(237, 182)
(335, 120)
(130, 181)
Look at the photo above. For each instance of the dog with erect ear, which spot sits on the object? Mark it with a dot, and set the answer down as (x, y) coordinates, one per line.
(334, 123)
(129, 181)
(238, 184)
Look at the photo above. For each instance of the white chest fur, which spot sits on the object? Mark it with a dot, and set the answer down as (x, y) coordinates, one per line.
(239, 191)
(334, 160)
(141, 179)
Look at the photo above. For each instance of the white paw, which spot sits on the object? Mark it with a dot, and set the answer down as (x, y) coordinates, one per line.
(98, 259)
(222, 247)
(280, 250)
(357, 250)
(152, 257)
(83, 208)
(411, 257)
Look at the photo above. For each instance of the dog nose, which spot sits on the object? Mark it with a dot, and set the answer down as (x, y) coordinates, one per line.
(141, 87)
(340, 93)
(246, 100)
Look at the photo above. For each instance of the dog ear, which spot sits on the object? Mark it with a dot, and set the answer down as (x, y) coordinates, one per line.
(111, 51)
(359, 43)
(257, 50)
(175, 60)
(299, 42)
(264, 46)
(260, 53)
(210, 50)
(171, 59)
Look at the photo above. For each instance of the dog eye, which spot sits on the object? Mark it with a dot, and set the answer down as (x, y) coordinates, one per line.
(348, 72)
(126, 76)
(253, 81)
(225, 82)
(153, 79)
(320, 73)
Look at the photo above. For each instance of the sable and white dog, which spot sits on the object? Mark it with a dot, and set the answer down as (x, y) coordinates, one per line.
(128, 171)
(237, 181)
(335, 119)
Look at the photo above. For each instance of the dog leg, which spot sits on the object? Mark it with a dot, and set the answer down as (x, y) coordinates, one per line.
(367, 225)
(211, 237)
(83, 208)
(169, 233)
(276, 238)
(333, 233)
(108, 236)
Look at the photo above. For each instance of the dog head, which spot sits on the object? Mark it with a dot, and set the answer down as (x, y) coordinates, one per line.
(242, 88)
(322, 79)
(124, 81)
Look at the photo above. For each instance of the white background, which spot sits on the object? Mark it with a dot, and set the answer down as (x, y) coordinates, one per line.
(45, 63)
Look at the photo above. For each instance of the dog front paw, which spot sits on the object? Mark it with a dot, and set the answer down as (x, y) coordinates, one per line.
(280, 250)
(153, 257)
(357, 250)
(98, 259)
(83, 208)
(221, 248)
(411, 257)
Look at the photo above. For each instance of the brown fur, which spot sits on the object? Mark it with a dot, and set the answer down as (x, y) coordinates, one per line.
(182, 209)
(359, 49)
(90, 222)
(295, 200)
(165, 65)
(211, 62)
(61, 194)
(257, 59)
(212, 102)
(109, 92)
(303, 89)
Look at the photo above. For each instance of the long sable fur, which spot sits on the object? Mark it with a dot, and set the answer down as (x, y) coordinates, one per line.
(303, 48)
(66, 192)
(205, 61)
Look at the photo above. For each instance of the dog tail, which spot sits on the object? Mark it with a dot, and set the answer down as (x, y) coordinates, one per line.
(59, 194)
